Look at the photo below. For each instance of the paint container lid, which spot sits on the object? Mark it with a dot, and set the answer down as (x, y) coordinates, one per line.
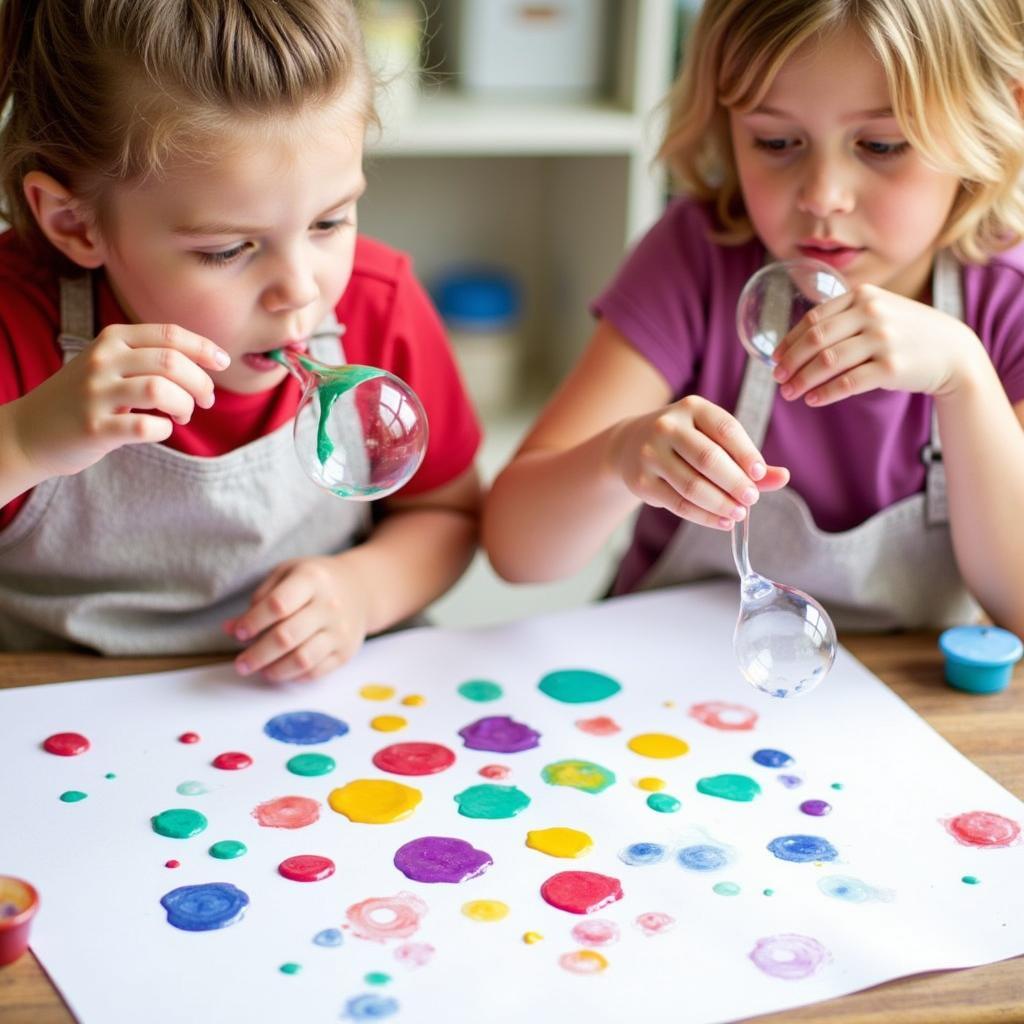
(980, 659)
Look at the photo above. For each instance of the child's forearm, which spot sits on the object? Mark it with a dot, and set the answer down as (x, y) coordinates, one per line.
(17, 472)
(983, 453)
(549, 512)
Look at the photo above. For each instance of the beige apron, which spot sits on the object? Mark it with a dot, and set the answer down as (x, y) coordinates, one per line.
(896, 570)
(149, 550)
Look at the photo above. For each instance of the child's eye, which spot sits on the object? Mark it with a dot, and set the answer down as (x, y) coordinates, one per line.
(328, 227)
(885, 149)
(220, 259)
(774, 145)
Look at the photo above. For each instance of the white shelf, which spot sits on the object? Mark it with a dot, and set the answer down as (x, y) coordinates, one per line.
(454, 124)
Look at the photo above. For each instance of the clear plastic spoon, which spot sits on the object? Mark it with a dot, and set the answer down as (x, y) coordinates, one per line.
(785, 643)
(360, 432)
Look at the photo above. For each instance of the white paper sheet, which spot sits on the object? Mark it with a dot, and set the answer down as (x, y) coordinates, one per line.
(103, 936)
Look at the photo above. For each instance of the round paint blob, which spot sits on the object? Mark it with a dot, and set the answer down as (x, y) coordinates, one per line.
(559, 842)
(383, 918)
(305, 727)
(702, 857)
(596, 932)
(654, 922)
(441, 859)
(641, 854)
(583, 961)
(414, 758)
(371, 1006)
(388, 723)
(499, 733)
(73, 796)
(489, 801)
(374, 801)
(191, 788)
(726, 889)
(790, 957)
(578, 686)
(189, 737)
(310, 765)
(495, 771)
(231, 761)
(377, 978)
(970, 880)
(290, 968)
(377, 691)
(663, 803)
(414, 700)
(658, 745)
(228, 849)
(178, 823)
(415, 954)
(329, 938)
(583, 775)
(485, 910)
(650, 784)
(801, 849)
(600, 726)
(769, 758)
(983, 828)
(306, 867)
(728, 717)
(287, 812)
(847, 889)
(581, 892)
(201, 908)
(172, 863)
(532, 938)
(66, 744)
(480, 690)
(816, 808)
(740, 788)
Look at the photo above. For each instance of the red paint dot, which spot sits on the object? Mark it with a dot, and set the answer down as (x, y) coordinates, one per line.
(231, 760)
(306, 867)
(172, 864)
(414, 758)
(495, 771)
(189, 737)
(66, 744)
(600, 726)
(727, 717)
(581, 892)
(983, 828)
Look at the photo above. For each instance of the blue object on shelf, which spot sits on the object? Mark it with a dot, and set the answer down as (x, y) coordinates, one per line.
(481, 300)
(980, 659)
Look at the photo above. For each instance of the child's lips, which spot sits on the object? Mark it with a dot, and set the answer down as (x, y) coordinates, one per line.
(263, 362)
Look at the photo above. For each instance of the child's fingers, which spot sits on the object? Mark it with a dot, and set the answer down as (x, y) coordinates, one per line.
(275, 609)
(302, 661)
(814, 316)
(154, 393)
(199, 349)
(662, 495)
(774, 479)
(728, 458)
(273, 644)
(816, 342)
(175, 366)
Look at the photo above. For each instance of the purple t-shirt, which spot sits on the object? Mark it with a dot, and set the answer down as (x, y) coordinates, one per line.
(675, 298)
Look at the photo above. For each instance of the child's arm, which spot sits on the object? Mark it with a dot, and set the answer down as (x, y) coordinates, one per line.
(311, 615)
(605, 443)
(129, 386)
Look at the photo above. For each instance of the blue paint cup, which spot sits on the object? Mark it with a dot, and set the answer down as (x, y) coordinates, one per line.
(980, 659)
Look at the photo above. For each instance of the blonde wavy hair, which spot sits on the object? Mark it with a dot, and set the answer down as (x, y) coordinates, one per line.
(955, 70)
(95, 92)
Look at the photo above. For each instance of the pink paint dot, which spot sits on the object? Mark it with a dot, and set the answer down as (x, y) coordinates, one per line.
(581, 892)
(596, 932)
(287, 812)
(66, 744)
(983, 828)
(189, 737)
(727, 717)
(307, 867)
(415, 954)
(172, 864)
(495, 771)
(600, 726)
(231, 761)
(654, 922)
(382, 918)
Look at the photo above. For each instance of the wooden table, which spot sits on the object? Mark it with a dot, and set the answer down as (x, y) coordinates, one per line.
(987, 729)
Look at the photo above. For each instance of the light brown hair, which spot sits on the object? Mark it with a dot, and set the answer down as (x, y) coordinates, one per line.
(954, 69)
(102, 91)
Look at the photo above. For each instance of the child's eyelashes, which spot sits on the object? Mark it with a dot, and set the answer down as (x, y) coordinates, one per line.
(885, 149)
(773, 145)
(224, 257)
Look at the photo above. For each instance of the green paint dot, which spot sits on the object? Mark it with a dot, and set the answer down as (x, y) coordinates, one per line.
(377, 978)
(228, 849)
(726, 888)
(729, 787)
(290, 968)
(480, 690)
(970, 880)
(663, 803)
(837, 785)
(768, 892)
(110, 775)
(72, 796)
(192, 788)
(310, 764)
(178, 823)
(578, 686)
(489, 801)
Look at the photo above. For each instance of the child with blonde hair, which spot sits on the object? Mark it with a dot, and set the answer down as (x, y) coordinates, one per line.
(182, 177)
(884, 138)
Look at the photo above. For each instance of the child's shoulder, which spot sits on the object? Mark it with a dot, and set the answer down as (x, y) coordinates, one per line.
(25, 278)
(378, 263)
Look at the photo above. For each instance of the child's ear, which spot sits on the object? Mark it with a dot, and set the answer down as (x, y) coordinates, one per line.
(60, 217)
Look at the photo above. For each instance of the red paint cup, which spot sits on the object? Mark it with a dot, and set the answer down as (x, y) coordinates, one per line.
(19, 902)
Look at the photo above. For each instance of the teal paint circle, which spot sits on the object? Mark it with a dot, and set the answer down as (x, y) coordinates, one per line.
(726, 888)
(741, 788)
(377, 978)
(72, 796)
(228, 849)
(578, 686)
(837, 785)
(290, 968)
(490, 801)
(769, 892)
(970, 880)
(191, 788)
(110, 775)
(310, 764)
(663, 803)
(480, 690)
(179, 823)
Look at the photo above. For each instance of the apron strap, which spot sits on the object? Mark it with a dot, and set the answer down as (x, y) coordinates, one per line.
(77, 324)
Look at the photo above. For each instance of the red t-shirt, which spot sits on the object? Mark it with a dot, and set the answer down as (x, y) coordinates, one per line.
(390, 323)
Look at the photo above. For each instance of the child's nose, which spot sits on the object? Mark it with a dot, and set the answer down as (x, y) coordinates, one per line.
(293, 286)
(825, 189)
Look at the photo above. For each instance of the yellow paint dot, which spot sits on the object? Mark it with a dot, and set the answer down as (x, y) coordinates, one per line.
(583, 961)
(388, 723)
(377, 691)
(485, 910)
(650, 784)
(658, 744)
(374, 801)
(559, 842)
(668, 703)
(531, 937)
(414, 700)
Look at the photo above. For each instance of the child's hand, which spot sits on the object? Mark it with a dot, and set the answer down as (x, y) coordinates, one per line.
(305, 619)
(129, 386)
(694, 459)
(869, 338)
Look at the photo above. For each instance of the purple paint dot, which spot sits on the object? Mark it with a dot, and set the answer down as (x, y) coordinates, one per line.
(790, 957)
(441, 859)
(501, 734)
(790, 781)
(817, 808)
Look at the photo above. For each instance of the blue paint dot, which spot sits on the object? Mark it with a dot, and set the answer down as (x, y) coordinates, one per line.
(801, 849)
(370, 1007)
(329, 937)
(843, 887)
(642, 853)
(772, 758)
(201, 908)
(790, 781)
(305, 727)
(703, 857)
